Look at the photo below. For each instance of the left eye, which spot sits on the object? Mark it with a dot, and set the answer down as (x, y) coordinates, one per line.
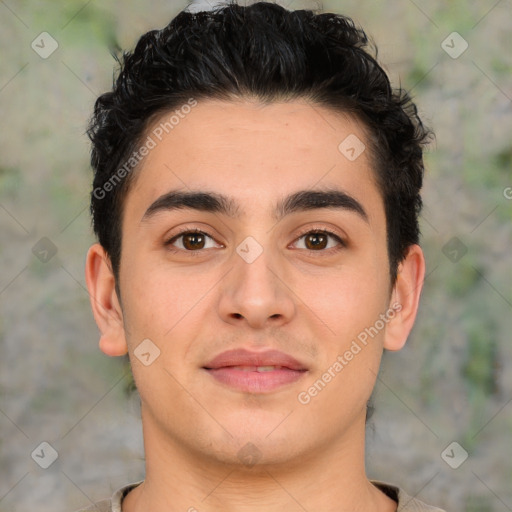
(319, 240)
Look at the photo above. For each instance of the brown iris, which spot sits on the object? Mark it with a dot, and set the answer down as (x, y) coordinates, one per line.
(193, 241)
(316, 240)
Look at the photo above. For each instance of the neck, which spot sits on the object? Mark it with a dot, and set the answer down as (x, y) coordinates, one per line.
(331, 478)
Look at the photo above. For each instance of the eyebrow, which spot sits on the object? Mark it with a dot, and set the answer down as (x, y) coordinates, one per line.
(300, 201)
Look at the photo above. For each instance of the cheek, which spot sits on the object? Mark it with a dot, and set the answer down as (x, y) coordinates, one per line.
(156, 297)
(349, 299)
(165, 307)
(343, 380)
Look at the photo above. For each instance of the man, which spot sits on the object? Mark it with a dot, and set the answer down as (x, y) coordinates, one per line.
(256, 201)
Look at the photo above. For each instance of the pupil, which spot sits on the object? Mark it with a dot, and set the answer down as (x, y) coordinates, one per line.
(193, 241)
(318, 240)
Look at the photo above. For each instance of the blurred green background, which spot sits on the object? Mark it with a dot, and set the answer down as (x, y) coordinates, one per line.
(452, 382)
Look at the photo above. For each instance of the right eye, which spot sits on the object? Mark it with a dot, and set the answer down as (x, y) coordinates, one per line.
(190, 241)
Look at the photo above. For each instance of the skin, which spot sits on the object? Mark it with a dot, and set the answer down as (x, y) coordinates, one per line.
(306, 301)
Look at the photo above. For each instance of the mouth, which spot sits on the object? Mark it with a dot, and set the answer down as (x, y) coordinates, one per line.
(255, 372)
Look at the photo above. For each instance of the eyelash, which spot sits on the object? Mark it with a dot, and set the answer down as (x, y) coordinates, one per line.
(324, 231)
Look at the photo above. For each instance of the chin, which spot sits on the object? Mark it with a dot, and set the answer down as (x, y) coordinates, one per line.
(253, 449)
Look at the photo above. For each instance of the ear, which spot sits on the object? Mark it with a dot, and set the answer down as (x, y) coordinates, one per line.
(405, 298)
(104, 301)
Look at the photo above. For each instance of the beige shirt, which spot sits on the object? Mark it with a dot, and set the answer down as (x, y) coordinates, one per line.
(405, 502)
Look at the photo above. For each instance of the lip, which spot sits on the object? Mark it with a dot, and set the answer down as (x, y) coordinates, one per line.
(243, 357)
(226, 369)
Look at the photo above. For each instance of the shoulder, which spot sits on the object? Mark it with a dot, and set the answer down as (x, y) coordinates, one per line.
(113, 504)
(405, 502)
(408, 504)
(101, 506)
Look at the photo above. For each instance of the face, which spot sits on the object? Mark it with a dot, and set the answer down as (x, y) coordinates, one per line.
(287, 272)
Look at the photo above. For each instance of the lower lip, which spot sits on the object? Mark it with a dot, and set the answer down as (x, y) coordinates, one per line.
(255, 382)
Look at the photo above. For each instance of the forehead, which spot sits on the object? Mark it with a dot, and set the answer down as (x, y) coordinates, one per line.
(254, 152)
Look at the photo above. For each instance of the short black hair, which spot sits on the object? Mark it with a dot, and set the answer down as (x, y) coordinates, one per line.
(267, 53)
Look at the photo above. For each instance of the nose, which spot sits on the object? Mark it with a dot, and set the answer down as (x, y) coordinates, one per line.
(256, 293)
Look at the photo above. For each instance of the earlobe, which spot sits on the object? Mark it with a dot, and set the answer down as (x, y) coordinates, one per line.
(406, 296)
(104, 302)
